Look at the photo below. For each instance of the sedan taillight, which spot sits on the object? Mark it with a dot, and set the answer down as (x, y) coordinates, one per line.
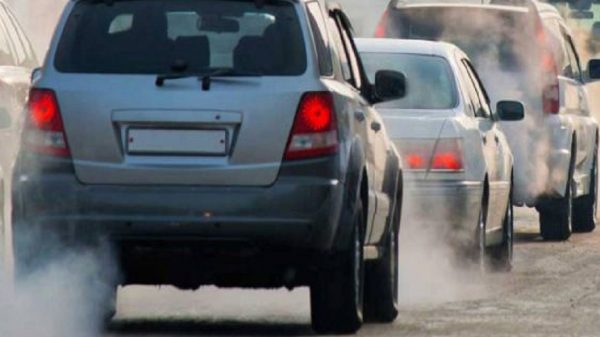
(448, 155)
(44, 131)
(443, 155)
(314, 133)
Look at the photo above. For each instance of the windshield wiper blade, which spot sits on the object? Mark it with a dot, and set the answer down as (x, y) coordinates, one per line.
(205, 77)
(219, 72)
(160, 79)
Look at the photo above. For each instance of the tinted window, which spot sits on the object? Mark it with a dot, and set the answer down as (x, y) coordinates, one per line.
(340, 51)
(429, 79)
(355, 65)
(575, 69)
(492, 39)
(150, 36)
(482, 96)
(319, 29)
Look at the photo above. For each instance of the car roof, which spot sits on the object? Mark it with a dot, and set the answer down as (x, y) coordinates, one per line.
(420, 47)
(506, 8)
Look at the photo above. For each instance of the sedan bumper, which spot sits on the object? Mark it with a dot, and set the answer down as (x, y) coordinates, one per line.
(447, 208)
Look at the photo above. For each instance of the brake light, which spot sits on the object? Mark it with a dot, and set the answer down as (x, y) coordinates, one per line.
(416, 153)
(551, 99)
(44, 132)
(549, 71)
(314, 133)
(382, 27)
(415, 162)
(448, 156)
(430, 155)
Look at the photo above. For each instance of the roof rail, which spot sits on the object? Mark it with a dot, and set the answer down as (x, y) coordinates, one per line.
(516, 3)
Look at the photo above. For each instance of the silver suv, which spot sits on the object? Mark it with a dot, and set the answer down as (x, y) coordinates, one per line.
(215, 142)
(525, 53)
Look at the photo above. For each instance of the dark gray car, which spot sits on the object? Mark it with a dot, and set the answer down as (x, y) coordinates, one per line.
(215, 142)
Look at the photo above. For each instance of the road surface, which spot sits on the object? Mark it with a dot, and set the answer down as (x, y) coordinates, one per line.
(552, 291)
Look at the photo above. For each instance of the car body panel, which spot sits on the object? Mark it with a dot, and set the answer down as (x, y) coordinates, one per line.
(253, 195)
(486, 155)
(542, 154)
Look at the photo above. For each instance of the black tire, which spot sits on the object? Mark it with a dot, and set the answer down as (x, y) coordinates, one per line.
(584, 208)
(556, 215)
(381, 279)
(501, 257)
(337, 292)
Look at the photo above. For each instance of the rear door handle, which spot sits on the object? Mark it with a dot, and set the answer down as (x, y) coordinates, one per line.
(376, 126)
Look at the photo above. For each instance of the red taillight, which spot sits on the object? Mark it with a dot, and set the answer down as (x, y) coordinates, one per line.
(415, 161)
(416, 153)
(448, 155)
(314, 133)
(381, 29)
(551, 91)
(446, 161)
(45, 132)
(430, 155)
(549, 71)
(551, 99)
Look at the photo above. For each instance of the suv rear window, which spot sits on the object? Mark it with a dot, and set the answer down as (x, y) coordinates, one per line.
(151, 36)
(491, 38)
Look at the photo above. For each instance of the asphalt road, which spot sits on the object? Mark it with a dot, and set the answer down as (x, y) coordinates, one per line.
(552, 291)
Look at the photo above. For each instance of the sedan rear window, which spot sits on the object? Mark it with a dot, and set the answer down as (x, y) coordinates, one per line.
(157, 36)
(429, 79)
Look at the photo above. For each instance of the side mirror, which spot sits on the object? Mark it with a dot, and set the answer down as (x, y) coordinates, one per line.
(596, 30)
(5, 119)
(389, 85)
(594, 69)
(580, 5)
(510, 111)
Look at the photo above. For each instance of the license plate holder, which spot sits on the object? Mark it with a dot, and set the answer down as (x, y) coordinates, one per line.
(177, 142)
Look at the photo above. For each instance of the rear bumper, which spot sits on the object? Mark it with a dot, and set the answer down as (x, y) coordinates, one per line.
(446, 208)
(295, 212)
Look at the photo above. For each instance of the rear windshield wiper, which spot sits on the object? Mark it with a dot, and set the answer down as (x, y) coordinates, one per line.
(205, 77)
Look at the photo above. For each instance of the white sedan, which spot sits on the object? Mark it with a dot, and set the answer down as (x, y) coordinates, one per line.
(457, 162)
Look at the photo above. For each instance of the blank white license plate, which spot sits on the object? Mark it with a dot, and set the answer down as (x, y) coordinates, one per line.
(178, 142)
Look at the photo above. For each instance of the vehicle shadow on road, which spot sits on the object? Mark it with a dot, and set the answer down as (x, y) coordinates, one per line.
(192, 327)
(529, 237)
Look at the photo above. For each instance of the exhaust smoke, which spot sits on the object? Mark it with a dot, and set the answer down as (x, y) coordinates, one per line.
(66, 298)
(38, 18)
